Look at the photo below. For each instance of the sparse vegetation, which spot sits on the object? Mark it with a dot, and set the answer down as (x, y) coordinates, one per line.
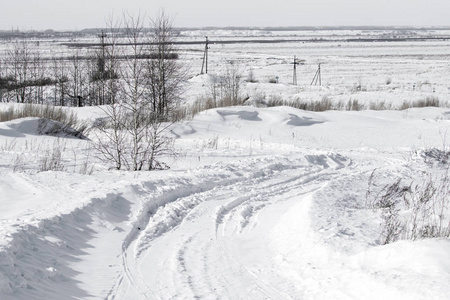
(38, 156)
(430, 101)
(273, 100)
(251, 77)
(413, 210)
(323, 105)
(51, 160)
(354, 105)
(380, 105)
(133, 136)
(201, 104)
(50, 112)
(222, 91)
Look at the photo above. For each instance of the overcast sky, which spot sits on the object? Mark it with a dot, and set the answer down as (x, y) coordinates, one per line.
(79, 14)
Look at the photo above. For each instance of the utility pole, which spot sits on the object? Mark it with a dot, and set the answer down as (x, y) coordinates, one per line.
(102, 68)
(102, 39)
(296, 62)
(317, 77)
(205, 57)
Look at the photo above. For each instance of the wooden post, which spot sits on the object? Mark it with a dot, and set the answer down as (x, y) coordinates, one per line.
(205, 57)
(103, 35)
(294, 80)
(317, 77)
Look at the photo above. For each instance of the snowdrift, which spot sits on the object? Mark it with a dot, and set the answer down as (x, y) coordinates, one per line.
(37, 126)
(260, 203)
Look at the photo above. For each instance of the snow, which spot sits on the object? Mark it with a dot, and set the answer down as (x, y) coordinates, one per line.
(260, 203)
(275, 209)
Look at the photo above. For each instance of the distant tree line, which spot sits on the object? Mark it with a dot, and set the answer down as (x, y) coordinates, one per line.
(137, 86)
(100, 75)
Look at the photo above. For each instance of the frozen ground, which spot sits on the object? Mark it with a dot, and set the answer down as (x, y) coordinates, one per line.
(260, 203)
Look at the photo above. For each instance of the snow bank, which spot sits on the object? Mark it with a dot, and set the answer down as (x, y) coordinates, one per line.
(37, 126)
(261, 202)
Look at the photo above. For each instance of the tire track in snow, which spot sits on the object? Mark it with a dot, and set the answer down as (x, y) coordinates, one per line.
(279, 187)
(180, 189)
(269, 187)
(164, 213)
(229, 211)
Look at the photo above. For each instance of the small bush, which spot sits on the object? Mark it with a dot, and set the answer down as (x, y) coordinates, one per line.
(251, 77)
(201, 104)
(277, 100)
(379, 105)
(322, 105)
(433, 155)
(412, 211)
(354, 105)
(273, 80)
(257, 99)
(430, 101)
(52, 158)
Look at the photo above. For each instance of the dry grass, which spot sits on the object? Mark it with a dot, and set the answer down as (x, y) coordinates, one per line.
(427, 102)
(50, 112)
(415, 210)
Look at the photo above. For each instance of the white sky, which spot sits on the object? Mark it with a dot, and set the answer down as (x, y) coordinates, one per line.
(79, 14)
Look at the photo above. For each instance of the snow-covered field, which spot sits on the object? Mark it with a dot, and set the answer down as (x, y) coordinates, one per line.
(259, 203)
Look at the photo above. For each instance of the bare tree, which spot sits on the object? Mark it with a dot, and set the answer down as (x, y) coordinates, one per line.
(78, 82)
(133, 90)
(232, 84)
(38, 73)
(160, 145)
(132, 135)
(215, 89)
(4, 81)
(60, 79)
(19, 59)
(113, 142)
(104, 75)
(112, 139)
(225, 90)
(164, 75)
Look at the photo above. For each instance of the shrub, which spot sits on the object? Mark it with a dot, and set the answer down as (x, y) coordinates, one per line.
(52, 158)
(430, 101)
(273, 80)
(379, 105)
(354, 105)
(251, 77)
(322, 105)
(414, 210)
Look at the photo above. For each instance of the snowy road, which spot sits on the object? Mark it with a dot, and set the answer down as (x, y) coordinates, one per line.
(280, 227)
(228, 242)
(252, 232)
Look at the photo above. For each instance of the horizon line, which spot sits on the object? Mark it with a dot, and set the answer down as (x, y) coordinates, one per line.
(273, 28)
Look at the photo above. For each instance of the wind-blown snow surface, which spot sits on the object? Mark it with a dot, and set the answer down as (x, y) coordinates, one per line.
(261, 203)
